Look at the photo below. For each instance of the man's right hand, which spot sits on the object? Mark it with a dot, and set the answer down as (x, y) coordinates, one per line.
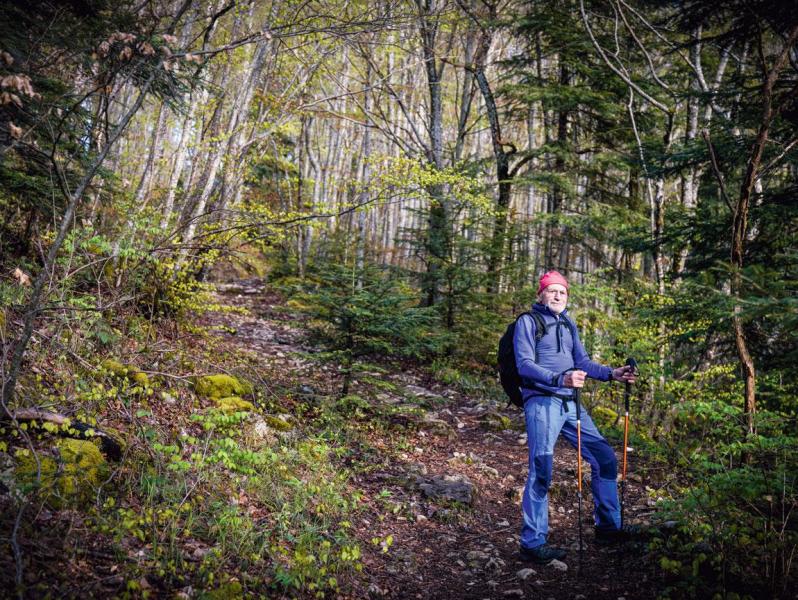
(574, 379)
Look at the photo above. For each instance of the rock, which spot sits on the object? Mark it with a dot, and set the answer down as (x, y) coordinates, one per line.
(415, 468)
(494, 421)
(525, 574)
(494, 563)
(438, 426)
(488, 470)
(419, 391)
(219, 386)
(503, 523)
(376, 591)
(452, 487)
(280, 423)
(476, 559)
(558, 565)
(513, 594)
(234, 404)
(521, 441)
(71, 478)
(263, 433)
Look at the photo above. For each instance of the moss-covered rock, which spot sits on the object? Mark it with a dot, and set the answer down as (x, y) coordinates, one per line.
(216, 387)
(69, 479)
(234, 404)
(128, 371)
(604, 417)
(496, 422)
(277, 423)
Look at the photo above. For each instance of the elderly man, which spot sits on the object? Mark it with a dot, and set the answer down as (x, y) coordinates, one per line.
(552, 367)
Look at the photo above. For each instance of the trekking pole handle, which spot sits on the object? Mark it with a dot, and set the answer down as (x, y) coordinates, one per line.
(578, 404)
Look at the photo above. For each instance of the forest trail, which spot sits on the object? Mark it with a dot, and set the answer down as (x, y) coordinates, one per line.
(420, 546)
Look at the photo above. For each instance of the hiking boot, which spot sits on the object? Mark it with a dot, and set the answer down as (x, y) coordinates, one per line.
(542, 555)
(616, 536)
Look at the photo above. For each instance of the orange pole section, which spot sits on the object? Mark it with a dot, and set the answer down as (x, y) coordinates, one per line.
(625, 442)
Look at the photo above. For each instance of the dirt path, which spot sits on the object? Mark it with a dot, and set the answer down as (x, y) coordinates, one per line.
(444, 549)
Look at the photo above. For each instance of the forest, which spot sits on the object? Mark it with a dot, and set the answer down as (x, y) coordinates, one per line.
(256, 257)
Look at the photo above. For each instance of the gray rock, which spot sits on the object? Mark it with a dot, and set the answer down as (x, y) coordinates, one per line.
(376, 591)
(438, 426)
(419, 391)
(494, 421)
(488, 470)
(415, 468)
(452, 487)
(513, 594)
(476, 559)
(558, 565)
(525, 574)
(495, 564)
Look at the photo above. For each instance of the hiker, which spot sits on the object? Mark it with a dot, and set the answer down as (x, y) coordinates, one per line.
(550, 369)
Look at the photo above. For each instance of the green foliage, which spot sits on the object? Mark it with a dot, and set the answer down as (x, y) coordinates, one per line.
(735, 530)
(368, 311)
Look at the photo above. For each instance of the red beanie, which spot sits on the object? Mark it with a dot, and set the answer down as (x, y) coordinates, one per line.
(550, 278)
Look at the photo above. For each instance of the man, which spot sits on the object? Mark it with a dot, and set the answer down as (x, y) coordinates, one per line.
(552, 368)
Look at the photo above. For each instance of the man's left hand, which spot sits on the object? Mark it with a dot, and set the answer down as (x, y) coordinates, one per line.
(624, 374)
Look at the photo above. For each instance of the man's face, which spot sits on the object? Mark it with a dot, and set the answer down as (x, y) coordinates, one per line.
(555, 297)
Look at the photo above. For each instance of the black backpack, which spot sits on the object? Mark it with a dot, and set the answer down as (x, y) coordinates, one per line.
(508, 370)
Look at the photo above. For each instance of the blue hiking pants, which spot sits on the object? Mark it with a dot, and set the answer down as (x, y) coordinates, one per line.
(546, 418)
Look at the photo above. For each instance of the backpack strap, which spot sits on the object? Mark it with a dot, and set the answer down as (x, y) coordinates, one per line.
(540, 331)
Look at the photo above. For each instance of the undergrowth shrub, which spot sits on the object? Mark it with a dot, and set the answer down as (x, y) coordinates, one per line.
(735, 528)
(366, 312)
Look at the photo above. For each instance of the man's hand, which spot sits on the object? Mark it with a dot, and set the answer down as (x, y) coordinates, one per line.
(624, 374)
(574, 379)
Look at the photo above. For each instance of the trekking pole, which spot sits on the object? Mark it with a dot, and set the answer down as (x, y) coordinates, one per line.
(626, 394)
(579, 465)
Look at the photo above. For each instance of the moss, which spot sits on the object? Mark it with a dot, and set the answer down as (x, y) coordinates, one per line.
(230, 590)
(215, 387)
(234, 404)
(140, 378)
(71, 480)
(496, 422)
(604, 417)
(129, 371)
(115, 367)
(278, 423)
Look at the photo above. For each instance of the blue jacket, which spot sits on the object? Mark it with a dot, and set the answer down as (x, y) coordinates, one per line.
(558, 351)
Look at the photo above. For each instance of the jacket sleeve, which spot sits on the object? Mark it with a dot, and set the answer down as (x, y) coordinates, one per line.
(582, 361)
(524, 346)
